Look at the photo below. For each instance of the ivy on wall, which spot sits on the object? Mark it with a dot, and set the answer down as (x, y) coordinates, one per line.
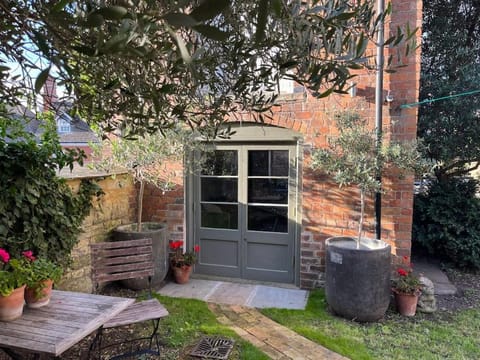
(39, 211)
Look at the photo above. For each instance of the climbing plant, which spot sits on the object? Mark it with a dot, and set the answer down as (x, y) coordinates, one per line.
(39, 210)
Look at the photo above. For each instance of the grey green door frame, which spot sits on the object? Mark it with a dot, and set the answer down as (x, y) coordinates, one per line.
(244, 212)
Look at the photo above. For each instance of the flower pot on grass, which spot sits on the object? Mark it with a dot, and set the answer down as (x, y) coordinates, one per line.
(357, 279)
(406, 303)
(406, 287)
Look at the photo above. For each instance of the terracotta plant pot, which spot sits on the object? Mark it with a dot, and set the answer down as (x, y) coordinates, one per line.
(182, 274)
(406, 303)
(11, 306)
(38, 296)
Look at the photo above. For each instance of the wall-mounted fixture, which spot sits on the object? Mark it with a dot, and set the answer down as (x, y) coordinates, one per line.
(352, 90)
(389, 98)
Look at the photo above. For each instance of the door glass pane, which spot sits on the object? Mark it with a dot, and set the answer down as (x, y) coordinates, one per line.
(219, 189)
(268, 218)
(268, 163)
(221, 163)
(268, 191)
(219, 216)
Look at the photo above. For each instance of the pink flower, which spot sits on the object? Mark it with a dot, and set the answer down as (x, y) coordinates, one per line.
(29, 255)
(196, 248)
(4, 256)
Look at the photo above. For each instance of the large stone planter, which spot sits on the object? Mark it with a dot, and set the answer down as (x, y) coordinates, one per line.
(157, 232)
(358, 280)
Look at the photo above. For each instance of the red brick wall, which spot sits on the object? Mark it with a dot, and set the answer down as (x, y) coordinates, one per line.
(327, 210)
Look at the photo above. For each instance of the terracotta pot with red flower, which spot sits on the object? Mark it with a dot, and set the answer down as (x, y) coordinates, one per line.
(181, 262)
(406, 287)
(40, 276)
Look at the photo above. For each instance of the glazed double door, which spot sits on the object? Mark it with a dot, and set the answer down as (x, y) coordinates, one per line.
(244, 212)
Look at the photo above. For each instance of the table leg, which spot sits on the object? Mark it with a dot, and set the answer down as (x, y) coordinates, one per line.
(16, 356)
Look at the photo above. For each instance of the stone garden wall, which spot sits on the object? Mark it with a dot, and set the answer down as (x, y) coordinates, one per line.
(115, 208)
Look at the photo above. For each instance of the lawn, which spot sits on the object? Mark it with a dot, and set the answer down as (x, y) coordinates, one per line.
(451, 334)
(439, 336)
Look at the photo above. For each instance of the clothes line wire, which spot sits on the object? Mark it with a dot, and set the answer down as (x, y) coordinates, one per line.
(428, 101)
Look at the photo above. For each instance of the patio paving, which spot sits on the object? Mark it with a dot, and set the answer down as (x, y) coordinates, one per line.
(248, 295)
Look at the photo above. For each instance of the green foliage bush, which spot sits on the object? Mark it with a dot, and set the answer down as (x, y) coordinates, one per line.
(447, 221)
(39, 210)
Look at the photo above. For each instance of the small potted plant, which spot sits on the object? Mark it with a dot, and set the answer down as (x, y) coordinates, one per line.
(182, 262)
(406, 287)
(12, 286)
(40, 274)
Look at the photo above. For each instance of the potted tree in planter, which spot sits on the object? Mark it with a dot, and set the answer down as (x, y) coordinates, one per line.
(358, 269)
(146, 158)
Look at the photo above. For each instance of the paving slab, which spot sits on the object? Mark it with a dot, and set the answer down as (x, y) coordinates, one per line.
(249, 295)
(231, 293)
(266, 296)
(194, 289)
(431, 270)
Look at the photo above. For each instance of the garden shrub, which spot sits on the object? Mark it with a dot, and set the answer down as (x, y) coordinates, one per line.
(447, 221)
(39, 210)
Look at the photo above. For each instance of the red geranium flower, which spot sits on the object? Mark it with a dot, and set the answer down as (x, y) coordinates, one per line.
(196, 248)
(402, 272)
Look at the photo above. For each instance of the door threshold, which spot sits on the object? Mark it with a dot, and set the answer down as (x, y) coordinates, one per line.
(244, 281)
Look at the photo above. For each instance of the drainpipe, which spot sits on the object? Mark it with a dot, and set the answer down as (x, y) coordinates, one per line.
(378, 111)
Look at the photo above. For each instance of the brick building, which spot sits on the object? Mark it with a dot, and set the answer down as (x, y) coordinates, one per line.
(259, 213)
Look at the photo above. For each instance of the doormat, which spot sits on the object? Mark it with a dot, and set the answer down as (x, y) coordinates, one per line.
(213, 348)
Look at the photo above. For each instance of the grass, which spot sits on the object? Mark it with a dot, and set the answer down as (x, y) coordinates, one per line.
(438, 336)
(421, 337)
(190, 319)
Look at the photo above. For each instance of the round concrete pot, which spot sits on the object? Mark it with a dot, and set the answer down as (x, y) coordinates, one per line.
(157, 232)
(358, 280)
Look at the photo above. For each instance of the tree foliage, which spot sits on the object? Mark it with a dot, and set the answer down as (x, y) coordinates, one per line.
(145, 65)
(450, 128)
(446, 222)
(148, 158)
(354, 157)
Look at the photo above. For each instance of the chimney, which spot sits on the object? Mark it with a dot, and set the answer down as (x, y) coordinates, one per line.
(50, 98)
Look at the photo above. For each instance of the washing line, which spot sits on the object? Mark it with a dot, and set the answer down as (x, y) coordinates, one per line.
(428, 101)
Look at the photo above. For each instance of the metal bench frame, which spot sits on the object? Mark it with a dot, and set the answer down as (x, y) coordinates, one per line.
(121, 260)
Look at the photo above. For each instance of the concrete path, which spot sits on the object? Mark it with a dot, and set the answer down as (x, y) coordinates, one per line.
(249, 295)
(431, 270)
(275, 340)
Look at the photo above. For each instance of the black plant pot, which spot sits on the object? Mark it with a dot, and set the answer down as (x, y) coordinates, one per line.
(157, 232)
(358, 280)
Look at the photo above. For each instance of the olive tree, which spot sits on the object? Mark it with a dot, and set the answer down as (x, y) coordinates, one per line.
(145, 65)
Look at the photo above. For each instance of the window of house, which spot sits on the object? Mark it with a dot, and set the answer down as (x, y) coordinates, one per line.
(63, 125)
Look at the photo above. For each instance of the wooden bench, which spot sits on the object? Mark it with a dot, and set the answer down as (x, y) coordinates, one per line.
(121, 260)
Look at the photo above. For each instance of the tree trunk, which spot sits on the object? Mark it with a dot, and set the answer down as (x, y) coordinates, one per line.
(140, 206)
(362, 214)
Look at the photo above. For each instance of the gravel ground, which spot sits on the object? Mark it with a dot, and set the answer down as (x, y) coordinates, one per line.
(468, 292)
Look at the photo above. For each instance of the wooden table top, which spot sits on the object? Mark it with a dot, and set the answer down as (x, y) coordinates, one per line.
(52, 329)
